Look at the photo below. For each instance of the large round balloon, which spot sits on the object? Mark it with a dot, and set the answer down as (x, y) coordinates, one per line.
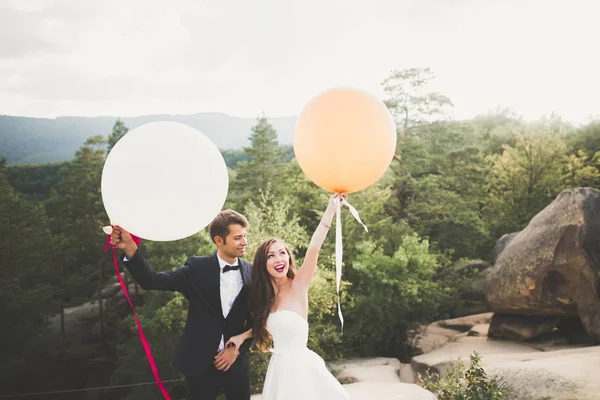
(164, 181)
(344, 139)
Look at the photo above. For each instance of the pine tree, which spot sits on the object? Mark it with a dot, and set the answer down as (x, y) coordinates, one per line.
(118, 131)
(28, 280)
(265, 165)
(77, 215)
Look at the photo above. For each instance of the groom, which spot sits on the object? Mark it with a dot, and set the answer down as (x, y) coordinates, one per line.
(213, 352)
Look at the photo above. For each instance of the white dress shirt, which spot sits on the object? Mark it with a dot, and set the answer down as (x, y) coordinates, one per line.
(231, 284)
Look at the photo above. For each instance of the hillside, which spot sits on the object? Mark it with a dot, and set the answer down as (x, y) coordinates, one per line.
(26, 140)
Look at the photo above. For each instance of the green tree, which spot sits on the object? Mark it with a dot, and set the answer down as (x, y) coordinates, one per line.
(586, 141)
(27, 285)
(408, 99)
(393, 294)
(494, 129)
(118, 131)
(306, 200)
(76, 217)
(34, 182)
(528, 176)
(233, 156)
(270, 216)
(555, 124)
(265, 165)
(580, 170)
(325, 334)
(458, 384)
(370, 203)
(439, 188)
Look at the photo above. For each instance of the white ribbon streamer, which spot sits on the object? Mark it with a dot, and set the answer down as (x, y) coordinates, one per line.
(339, 248)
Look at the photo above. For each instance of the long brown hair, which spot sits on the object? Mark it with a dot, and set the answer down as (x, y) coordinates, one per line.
(262, 293)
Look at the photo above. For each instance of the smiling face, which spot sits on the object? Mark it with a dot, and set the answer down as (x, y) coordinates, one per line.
(278, 260)
(234, 244)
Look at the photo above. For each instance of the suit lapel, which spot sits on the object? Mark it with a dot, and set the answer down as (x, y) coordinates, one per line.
(245, 270)
(214, 280)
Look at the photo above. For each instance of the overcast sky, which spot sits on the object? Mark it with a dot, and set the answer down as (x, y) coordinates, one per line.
(242, 57)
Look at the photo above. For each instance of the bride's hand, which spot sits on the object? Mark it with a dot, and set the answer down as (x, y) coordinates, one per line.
(333, 200)
(236, 341)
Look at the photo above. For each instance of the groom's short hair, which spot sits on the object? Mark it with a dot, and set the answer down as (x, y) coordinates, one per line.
(220, 225)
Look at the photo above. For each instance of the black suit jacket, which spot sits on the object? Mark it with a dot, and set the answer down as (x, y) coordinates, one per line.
(199, 281)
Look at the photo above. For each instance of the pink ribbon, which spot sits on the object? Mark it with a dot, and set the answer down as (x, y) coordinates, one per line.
(139, 326)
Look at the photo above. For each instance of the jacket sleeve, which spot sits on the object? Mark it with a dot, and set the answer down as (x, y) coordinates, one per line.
(177, 280)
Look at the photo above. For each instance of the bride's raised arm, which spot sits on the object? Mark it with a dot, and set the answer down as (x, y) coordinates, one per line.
(306, 273)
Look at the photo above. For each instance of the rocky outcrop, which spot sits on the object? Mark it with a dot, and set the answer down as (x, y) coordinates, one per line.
(548, 369)
(387, 391)
(502, 243)
(520, 327)
(440, 333)
(543, 290)
(569, 374)
(378, 369)
(83, 321)
(88, 327)
(474, 297)
(439, 359)
(550, 268)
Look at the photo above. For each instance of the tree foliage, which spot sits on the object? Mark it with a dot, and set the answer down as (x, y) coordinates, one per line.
(452, 190)
(118, 131)
(460, 384)
(408, 99)
(265, 163)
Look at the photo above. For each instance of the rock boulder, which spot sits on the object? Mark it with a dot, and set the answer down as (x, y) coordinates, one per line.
(550, 268)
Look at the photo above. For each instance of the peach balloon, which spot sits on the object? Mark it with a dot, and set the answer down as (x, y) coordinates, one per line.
(344, 139)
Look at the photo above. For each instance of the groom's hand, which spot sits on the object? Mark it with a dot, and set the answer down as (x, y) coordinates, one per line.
(225, 359)
(123, 240)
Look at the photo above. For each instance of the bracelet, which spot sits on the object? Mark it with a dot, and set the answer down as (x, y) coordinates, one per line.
(325, 225)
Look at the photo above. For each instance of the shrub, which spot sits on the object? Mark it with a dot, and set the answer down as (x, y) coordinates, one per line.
(458, 384)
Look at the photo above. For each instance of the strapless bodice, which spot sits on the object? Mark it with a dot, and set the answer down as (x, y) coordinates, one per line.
(295, 372)
(289, 330)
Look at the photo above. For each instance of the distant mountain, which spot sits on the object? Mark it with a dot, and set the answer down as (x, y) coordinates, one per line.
(26, 140)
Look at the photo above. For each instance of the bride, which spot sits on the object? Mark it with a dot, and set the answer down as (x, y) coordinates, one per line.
(279, 305)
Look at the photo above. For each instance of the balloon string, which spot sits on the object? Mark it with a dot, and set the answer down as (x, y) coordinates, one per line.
(143, 339)
(339, 249)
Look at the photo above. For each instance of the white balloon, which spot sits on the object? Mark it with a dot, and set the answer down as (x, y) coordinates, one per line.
(164, 181)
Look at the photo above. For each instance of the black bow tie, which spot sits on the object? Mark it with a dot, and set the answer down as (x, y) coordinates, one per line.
(230, 268)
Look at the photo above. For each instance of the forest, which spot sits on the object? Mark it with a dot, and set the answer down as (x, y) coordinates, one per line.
(453, 189)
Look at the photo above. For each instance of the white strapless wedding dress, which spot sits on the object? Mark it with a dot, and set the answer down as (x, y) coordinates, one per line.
(295, 372)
